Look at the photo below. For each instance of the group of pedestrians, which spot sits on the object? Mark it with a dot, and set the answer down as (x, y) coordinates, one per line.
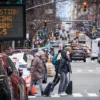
(62, 68)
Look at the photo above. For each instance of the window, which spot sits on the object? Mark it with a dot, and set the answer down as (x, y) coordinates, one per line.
(10, 64)
(2, 72)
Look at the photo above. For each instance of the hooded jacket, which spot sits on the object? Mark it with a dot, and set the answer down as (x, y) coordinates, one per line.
(64, 63)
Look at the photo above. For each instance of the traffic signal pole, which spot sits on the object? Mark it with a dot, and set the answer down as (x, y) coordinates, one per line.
(44, 4)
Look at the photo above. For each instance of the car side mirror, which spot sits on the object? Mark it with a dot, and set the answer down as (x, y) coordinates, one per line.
(9, 71)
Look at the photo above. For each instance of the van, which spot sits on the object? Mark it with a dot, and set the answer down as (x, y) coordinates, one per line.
(95, 49)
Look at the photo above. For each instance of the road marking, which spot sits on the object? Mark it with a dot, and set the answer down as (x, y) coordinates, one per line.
(79, 71)
(31, 97)
(55, 95)
(77, 95)
(90, 70)
(99, 70)
(92, 95)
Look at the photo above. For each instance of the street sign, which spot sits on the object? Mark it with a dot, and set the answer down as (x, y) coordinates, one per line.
(12, 22)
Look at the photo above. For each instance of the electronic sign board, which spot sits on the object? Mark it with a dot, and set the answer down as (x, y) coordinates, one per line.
(12, 22)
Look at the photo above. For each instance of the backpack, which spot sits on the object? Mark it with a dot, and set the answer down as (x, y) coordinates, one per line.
(54, 59)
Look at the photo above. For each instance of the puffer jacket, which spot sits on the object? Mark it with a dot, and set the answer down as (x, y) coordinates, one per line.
(36, 68)
(64, 63)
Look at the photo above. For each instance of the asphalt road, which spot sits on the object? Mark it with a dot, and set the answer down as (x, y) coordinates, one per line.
(86, 83)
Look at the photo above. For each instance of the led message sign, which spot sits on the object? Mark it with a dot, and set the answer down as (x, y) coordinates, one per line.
(12, 22)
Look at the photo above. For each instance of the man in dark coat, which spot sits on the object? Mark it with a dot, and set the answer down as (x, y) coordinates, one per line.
(64, 68)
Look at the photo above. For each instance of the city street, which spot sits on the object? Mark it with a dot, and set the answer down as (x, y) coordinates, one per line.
(86, 82)
(38, 35)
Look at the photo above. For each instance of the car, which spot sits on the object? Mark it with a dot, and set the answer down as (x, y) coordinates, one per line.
(18, 83)
(6, 91)
(54, 44)
(21, 66)
(78, 54)
(25, 55)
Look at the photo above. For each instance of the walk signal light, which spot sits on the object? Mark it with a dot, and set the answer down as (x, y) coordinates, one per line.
(45, 23)
(84, 6)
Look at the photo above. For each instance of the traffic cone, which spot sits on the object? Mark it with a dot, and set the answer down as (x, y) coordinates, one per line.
(34, 90)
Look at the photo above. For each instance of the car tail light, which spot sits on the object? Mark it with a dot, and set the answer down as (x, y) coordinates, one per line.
(14, 58)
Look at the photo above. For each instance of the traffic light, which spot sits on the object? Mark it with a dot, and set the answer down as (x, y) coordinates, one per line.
(84, 6)
(45, 23)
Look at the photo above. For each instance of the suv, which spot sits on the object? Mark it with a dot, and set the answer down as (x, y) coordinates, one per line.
(18, 84)
(5, 85)
(78, 54)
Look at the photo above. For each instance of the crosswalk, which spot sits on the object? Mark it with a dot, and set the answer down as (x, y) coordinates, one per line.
(75, 95)
(86, 70)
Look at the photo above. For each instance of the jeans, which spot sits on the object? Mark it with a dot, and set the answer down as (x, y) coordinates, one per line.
(55, 81)
(33, 82)
(63, 82)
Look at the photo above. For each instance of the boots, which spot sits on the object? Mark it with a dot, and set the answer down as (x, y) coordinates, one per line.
(31, 94)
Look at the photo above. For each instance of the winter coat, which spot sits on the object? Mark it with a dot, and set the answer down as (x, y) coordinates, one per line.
(36, 68)
(64, 65)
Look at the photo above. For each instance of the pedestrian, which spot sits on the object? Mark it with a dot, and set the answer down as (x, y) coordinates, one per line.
(36, 72)
(56, 77)
(64, 68)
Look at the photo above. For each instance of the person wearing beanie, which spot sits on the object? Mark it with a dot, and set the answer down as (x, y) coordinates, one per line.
(36, 71)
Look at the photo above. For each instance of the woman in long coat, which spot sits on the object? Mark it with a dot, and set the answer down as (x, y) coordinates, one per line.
(36, 71)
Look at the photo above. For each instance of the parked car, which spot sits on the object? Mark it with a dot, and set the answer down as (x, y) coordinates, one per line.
(18, 84)
(21, 66)
(78, 54)
(6, 91)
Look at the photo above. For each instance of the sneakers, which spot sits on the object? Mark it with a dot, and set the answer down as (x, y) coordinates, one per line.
(63, 94)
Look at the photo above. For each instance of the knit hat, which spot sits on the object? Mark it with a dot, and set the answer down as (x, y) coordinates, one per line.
(37, 54)
(41, 52)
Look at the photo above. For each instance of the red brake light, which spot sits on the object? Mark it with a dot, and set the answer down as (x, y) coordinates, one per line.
(15, 58)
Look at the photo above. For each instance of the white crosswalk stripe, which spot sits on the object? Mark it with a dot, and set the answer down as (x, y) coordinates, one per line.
(76, 95)
(90, 71)
(95, 70)
(31, 97)
(92, 95)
